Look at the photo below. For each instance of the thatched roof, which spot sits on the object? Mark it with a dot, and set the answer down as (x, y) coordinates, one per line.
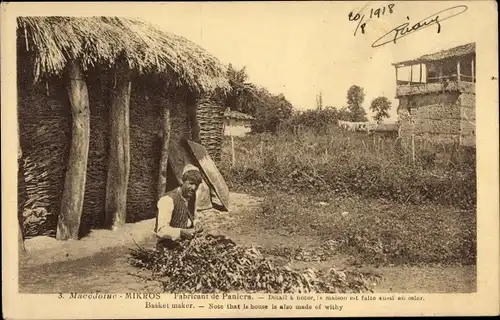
(238, 115)
(104, 40)
(462, 50)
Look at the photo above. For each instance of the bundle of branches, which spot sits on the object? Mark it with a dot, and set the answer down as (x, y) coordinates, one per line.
(211, 121)
(38, 222)
(97, 166)
(210, 263)
(44, 134)
(144, 158)
(322, 253)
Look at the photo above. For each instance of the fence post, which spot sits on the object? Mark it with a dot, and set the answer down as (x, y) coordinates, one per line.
(379, 144)
(413, 147)
(232, 151)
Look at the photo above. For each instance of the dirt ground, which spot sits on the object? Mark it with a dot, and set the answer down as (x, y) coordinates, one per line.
(98, 262)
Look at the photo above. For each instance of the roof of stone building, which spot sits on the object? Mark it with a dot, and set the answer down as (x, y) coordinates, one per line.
(443, 54)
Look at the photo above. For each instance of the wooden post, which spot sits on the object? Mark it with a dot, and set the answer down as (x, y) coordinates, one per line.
(473, 72)
(193, 118)
(396, 68)
(74, 186)
(411, 74)
(119, 150)
(440, 72)
(458, 70)
(163, 167)
(20, 185)
(420, 80)
(232, 151)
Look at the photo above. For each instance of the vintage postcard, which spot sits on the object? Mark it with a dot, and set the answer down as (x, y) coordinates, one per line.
(249, 159)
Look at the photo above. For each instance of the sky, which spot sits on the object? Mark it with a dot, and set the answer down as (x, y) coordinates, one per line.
(303, 48)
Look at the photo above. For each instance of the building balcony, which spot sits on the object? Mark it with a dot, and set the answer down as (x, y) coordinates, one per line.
(406, 88)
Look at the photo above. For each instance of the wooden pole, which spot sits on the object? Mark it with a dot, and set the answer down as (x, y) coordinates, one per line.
(119, 150)
(472, 70)
(193, 118)
(458, 70)
(420, 80)
(396, 68)
(20, 187)
(232, 151)
(411, 74)
(163, 167)
(413, 148)
(74, 186)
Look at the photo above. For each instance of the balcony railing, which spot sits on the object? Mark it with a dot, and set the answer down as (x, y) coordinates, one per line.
(442, 79)
(405, 88)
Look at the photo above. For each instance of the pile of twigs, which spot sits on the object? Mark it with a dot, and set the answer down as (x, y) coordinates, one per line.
(210, 263)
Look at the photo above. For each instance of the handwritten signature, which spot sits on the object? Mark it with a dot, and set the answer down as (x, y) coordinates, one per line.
(404, 29)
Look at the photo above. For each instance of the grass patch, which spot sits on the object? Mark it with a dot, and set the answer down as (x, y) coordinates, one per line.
(374, 231)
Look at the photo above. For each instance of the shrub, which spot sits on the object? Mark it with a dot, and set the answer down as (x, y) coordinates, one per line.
(349, 163)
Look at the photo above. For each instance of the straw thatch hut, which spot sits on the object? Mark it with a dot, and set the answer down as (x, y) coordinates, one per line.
(103, 104)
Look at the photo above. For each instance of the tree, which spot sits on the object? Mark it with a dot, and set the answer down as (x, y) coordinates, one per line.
(268, 110)
(271, 111)
(355, 98)
(380, 106)
(243, 94)
(317, 120)
(344, 114)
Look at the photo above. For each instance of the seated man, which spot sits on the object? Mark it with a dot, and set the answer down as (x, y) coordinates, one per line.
(177, 209)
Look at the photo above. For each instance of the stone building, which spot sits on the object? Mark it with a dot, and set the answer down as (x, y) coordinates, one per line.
(437, 97)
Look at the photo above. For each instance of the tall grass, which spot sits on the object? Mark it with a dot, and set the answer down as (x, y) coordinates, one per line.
(343, 163)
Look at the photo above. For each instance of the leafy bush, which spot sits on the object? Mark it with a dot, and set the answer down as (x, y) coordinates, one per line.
(214, 263)
(319, 121)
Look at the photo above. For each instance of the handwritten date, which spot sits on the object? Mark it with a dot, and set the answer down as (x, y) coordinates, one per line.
(379, 12)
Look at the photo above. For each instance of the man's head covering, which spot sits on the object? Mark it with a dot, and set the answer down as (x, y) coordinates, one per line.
(189, 167)
(191, 173)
